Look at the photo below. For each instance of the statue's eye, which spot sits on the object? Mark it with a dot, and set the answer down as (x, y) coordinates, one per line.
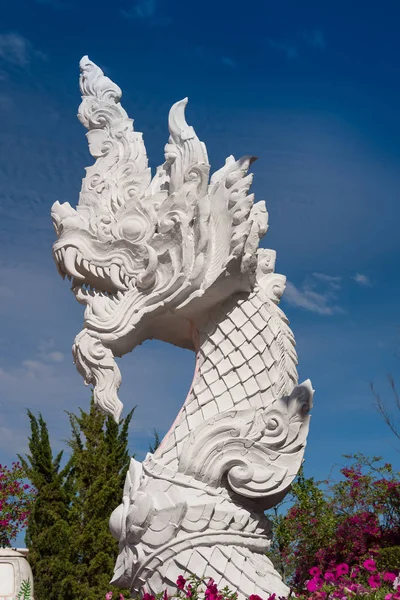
(132, 229)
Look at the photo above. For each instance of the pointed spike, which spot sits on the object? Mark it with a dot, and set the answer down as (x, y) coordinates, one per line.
(115, 278)
(69, 261)
(178, 127)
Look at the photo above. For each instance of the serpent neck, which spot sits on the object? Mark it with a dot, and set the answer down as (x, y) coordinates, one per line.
(245, 359)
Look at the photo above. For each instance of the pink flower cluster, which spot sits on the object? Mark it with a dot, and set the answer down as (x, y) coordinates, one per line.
(191, 591)
(15, 501)
(342, 582)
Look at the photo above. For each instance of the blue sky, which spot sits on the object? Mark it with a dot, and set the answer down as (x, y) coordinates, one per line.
(312, 89)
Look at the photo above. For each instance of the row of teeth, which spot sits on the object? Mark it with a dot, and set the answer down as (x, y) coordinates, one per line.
(86, 289)
(72, 262)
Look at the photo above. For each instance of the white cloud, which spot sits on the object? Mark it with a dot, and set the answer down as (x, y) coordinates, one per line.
(6, 292)
(313, 299)
(290, 50)
(36, 368)
(229, 62)
(13, 441)
(142, 9)
(315, 37)
(333, 281)
(362, 279)
(56, 356)
(16, 50)
(46, 351)
(329, 278)
(58, 4)
(5, 102)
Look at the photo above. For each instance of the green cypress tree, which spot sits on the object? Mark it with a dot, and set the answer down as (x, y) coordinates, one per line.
(48, 531)
(100, 460)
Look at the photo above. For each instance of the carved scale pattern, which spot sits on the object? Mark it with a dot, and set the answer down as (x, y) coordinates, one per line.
(246, 360)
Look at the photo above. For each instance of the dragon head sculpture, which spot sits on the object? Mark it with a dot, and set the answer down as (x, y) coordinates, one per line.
(139, 249)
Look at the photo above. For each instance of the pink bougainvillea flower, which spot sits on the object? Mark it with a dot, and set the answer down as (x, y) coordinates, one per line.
(165, 595)
(329, 576)
(356, 588)
(121, 597)
(109, 595)
(181, 582)
(374, 581)
(388, 596)
(342, 569)
(271, 597)
(314, 584)
(255, 597)
(369, 564)
(189, 592)
(211, 590)
(315, 571)
(391, 577)
(147, 596)
(354, 572)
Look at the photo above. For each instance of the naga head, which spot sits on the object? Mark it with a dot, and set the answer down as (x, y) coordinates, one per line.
(149, 256)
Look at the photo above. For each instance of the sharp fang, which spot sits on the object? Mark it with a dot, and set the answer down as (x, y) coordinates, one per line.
(100, 272)
(114, 276)
(79, 259)
(85, 265)
(120, 295)
(93, 270)
(69, 261)
(59, 269)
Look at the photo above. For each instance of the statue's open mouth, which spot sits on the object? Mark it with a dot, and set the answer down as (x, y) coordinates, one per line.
(89, 277)
(86, 290)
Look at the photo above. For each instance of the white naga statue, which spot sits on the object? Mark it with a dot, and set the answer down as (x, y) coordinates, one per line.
(175, 257)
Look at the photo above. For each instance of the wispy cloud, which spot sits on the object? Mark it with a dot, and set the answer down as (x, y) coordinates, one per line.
(6, 292)
(142, 9)
(333, 281)
(17, 51)
(47, 351)
(314, 299)
(39, 366)
(29, 370)
(229, 62)
(362, 279)
(290, 50)
(293, 48)
(5, 103)
(315, 37)
(147, 11)
(58, 4)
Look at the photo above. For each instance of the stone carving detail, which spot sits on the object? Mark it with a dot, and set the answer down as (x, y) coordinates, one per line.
(175, 257)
